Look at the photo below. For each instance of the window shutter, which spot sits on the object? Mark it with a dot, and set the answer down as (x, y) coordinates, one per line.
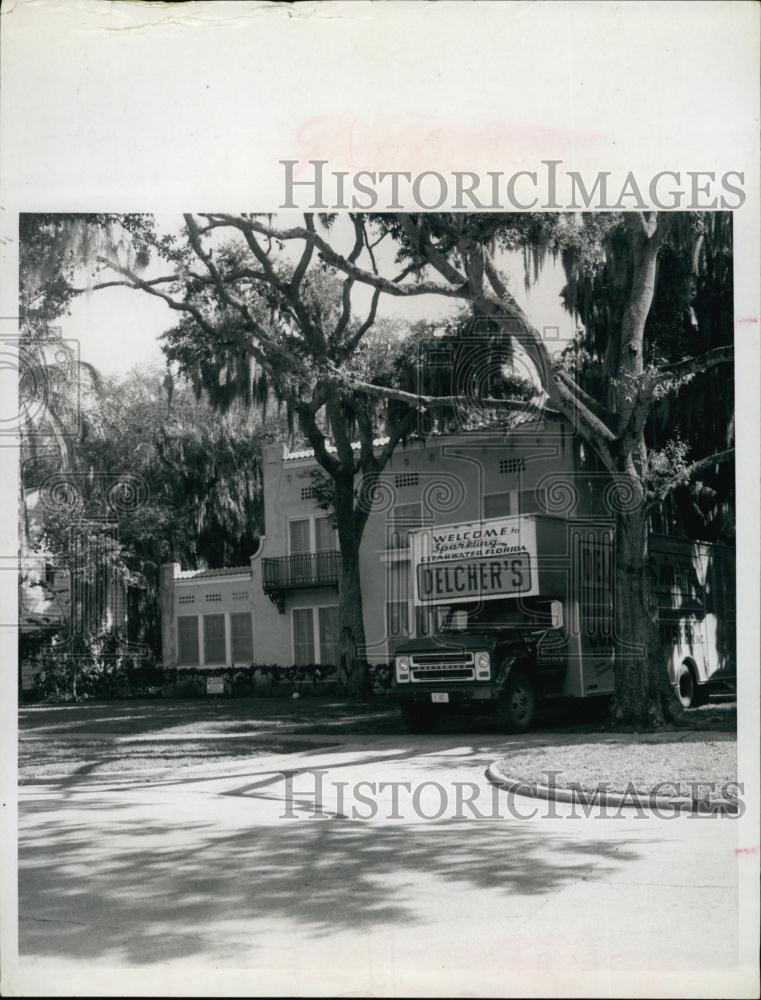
(214, 639)
(242, 637)
(187, 640)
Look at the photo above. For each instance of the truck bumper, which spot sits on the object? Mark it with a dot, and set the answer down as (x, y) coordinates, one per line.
(474, 695)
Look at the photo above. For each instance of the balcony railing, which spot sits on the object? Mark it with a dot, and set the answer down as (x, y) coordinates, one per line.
(304, 569)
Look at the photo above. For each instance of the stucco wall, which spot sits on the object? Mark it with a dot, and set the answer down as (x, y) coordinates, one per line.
(204, 594)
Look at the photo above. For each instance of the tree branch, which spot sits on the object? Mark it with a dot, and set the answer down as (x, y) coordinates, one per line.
(362, 330)
(593, 428)
(682, 478)
(244, 224)
(436, 402)
(135, 282)
(306, 257)
(589, 401)
(317, 439)
(436, 259)
(401, 430)
(692, 366)
(359, 241)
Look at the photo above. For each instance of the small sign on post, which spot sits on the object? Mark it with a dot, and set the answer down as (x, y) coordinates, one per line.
(215, 685)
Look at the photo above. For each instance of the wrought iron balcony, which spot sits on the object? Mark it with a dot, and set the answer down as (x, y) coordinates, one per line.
(304, 569)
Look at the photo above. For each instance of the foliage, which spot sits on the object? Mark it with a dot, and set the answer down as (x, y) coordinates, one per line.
(691, 313)
(668, 463)
(95, 666)
(194, 480)
(32, 642)
(54, 247)
(381, 675)
(296, 676)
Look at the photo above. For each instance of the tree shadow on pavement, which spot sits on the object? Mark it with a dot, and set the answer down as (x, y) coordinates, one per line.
(117, 885)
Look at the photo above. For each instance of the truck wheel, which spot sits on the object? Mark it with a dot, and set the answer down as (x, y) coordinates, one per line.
(418, 718)
(687, 690)
(516, 708)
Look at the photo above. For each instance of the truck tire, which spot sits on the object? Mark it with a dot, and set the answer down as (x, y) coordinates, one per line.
(418, 718)
(516, 708)
(687, 689)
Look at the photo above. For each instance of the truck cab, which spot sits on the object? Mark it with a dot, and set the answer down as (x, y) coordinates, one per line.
(480, 656)
(512, 610)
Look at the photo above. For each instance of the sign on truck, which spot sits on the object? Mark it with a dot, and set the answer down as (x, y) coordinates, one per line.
(486, 560)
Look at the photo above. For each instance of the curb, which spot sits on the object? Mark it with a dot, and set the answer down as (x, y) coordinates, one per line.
(631, 800)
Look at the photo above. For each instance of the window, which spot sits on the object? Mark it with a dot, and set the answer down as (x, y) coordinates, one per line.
(186, 599)
(214, 649)
(405, 517)
(308, 492)
(242, 637)
(325, 534)
(187, 640)
(213, 598)
(497, 505)
(303, 636)
(299, 536)
(240, 595)
(329, 646)
(316, 636)
(404, 479)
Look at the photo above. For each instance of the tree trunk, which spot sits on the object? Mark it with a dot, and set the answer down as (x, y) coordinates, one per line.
(625, 361)
(644, 698)
(353, 675)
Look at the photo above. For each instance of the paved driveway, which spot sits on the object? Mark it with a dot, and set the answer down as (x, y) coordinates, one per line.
(317, 884)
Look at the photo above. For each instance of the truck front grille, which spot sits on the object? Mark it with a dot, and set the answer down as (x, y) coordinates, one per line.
(427, 668)
(442, 657)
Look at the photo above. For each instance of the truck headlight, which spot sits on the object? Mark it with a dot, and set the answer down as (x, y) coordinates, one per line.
(483, 664)
(402, 669)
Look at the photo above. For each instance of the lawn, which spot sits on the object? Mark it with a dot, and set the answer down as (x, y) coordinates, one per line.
(161, 735)
(692, 765)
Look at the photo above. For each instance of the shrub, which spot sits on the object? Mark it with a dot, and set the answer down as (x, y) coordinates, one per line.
(95, 666)
(69, 676)
(381, 675)
(294, 677)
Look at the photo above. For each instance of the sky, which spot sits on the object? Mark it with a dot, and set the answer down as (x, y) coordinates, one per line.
(119, 328)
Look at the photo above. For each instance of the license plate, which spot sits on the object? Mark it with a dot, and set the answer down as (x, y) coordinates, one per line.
(440, 697)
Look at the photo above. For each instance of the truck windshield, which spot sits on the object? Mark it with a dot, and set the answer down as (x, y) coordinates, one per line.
(532, 613)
